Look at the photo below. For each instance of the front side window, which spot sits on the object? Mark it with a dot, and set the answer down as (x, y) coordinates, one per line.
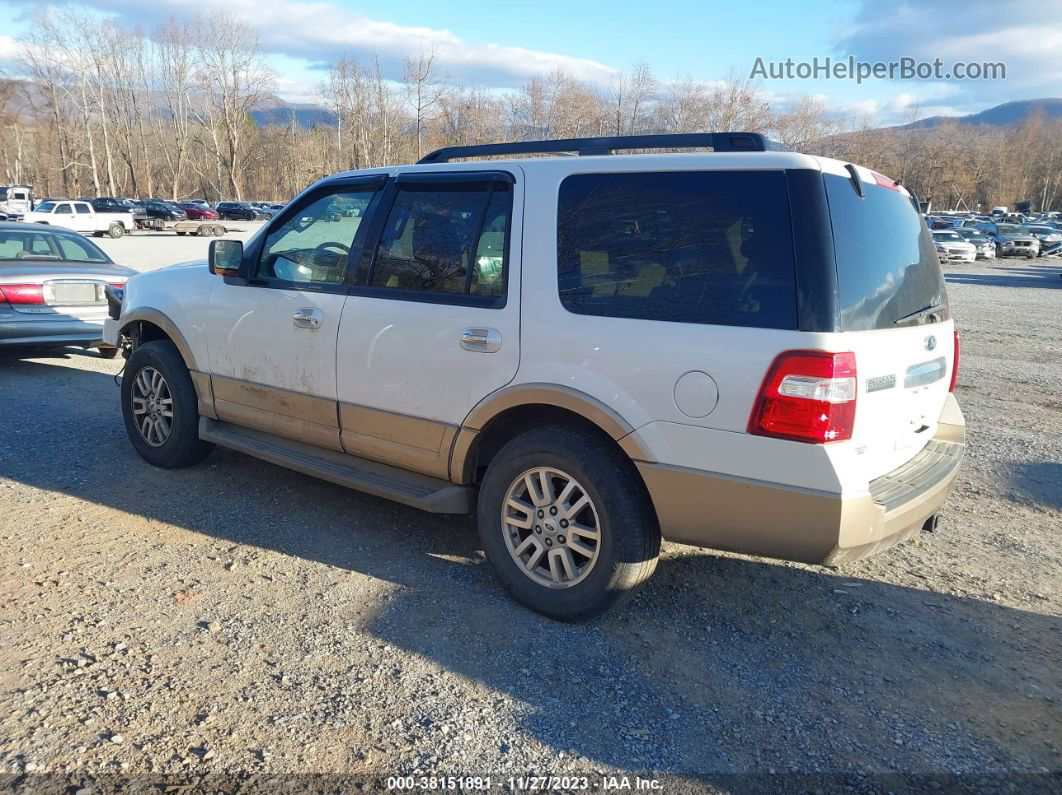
(687, 247)
(312, 246)
(446, 239)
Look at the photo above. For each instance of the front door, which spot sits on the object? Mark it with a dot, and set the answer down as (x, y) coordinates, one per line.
(63, 215)
(432, 323)
(272, 340)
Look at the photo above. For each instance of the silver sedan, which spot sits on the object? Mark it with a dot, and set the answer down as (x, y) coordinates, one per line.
(52, 285)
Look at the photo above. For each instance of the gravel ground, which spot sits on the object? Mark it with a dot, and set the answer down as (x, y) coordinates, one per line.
(240, 619)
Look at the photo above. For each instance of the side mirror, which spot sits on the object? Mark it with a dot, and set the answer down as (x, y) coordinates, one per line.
(225, 257)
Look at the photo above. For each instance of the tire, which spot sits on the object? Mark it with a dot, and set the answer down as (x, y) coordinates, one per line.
(179, 233)
(181, 446)
(628, 536)
(116, 231)
(107, 353)
(219, 230)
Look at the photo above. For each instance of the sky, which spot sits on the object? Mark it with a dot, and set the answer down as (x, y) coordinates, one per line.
(503, 43)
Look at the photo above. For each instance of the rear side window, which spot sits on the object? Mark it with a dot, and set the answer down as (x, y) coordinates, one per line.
(687, 247)
(445, 239)
(887, 266)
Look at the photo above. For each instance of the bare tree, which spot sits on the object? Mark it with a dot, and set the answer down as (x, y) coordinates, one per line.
(233, 79)
(424, 88)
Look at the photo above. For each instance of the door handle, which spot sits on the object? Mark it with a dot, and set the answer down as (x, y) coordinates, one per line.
(307, 317)
(481, 340)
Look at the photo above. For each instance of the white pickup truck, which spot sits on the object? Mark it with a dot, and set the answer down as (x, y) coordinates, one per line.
(81, 217)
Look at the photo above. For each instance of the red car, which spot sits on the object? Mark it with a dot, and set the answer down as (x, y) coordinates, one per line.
(197, 212)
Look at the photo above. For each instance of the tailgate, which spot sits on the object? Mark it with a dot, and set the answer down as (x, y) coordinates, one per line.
(904, 375)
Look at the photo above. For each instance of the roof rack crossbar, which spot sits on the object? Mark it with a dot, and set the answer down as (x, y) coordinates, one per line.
(718, 141)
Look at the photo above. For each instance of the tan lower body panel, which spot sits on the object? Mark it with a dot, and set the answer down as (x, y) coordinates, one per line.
(710, 510)
(412, 443)
(293, 415)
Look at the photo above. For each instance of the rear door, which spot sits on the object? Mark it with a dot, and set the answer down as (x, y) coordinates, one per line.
(84, 219)
(894, 311)
(432, 324)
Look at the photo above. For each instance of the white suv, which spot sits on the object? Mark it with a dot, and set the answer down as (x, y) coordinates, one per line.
(741, 349)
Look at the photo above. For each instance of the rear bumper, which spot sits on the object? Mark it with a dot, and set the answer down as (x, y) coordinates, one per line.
(712, 510)
(50, 332)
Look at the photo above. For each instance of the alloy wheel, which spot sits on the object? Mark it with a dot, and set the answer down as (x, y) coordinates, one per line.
(152, 406)
(551, 527)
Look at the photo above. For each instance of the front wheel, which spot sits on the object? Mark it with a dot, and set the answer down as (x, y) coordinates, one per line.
(160, 407)
(566, 524)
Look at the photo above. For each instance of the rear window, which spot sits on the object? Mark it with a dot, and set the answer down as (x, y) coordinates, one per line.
(687, 247)
(887, 266)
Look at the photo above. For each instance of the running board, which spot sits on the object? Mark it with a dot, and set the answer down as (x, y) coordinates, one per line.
(381, 480)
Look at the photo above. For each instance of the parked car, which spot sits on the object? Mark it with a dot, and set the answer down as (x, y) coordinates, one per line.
(80, 216)
(590, 353)
(52, 288)
(1047, 235)
(196, 212)
(264, 209)
(1011, 241)
(955, 246)
(238, 211)
(165, 211)
(982, 243)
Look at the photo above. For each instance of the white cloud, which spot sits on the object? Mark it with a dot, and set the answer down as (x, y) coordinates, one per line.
(1026, 35)
(320, 31)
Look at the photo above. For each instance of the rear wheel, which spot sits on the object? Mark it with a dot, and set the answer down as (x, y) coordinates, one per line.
(160, 407)
(116, 230)
(566, 524)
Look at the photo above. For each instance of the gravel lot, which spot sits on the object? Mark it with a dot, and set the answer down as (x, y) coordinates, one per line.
(240, 619)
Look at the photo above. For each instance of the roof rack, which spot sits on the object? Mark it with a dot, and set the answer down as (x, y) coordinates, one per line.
(718, 141)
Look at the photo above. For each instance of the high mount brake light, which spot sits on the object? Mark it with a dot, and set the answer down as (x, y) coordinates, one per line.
(807, 396)
(885, 182)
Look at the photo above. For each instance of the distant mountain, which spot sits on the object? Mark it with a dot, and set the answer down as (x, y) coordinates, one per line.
(276, 111)
(1008, 114)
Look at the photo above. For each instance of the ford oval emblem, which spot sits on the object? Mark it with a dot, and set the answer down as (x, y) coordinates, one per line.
(931, 342)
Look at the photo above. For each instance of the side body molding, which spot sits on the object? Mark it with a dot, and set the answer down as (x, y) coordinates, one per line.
(463, 454)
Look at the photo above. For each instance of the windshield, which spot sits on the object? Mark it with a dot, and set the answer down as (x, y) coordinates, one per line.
(45, 207)
(887, 264)
(1006, 229)
(947, 236)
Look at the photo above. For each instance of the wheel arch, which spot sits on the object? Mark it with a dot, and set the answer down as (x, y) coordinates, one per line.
(148, 324)
(516, 409)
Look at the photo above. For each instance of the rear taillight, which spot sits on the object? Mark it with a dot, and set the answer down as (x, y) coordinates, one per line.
(955, 364)
(118, 285)
(22, 293)
(807, 396)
